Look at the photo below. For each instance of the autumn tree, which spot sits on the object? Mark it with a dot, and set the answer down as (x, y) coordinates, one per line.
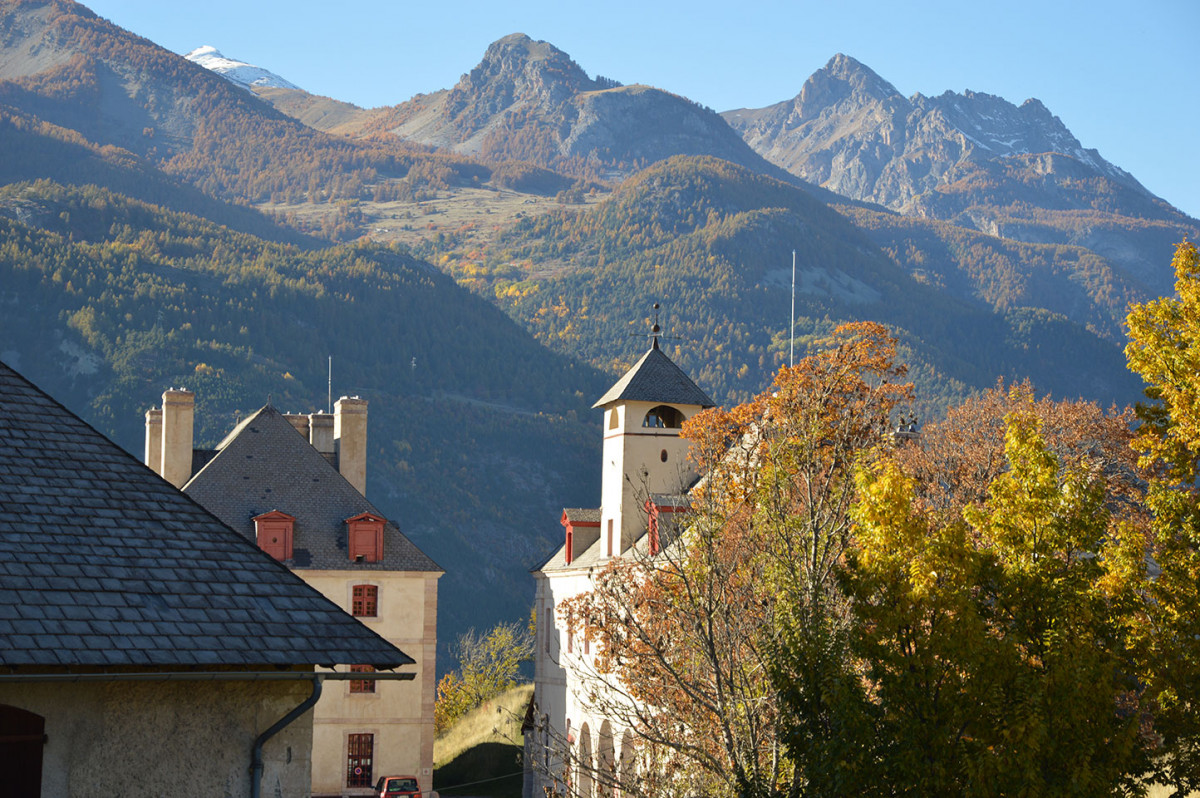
(1164, 349)
(689, 638)
(993, 643)
(488, 665)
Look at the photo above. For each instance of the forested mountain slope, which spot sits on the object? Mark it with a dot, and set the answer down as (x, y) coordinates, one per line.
(712, 241)
(478, 435)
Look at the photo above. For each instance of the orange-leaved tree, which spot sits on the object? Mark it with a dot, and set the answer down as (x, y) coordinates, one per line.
(705, 643)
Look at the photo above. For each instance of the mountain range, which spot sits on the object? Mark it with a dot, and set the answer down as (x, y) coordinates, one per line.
(481, 260)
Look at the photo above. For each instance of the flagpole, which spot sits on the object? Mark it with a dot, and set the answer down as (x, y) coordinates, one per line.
(792, 324)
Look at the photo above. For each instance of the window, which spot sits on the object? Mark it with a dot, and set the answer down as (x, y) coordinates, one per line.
(610, 536)
(364, 601)
(365, 542)
(359, 754)
(663, 417)
(362, 685)
(273, 532)
(613, 420)
(22, 738)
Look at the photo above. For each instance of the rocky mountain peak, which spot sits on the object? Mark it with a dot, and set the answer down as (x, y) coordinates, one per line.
(516, 71)
(526, 66)
(844, 78)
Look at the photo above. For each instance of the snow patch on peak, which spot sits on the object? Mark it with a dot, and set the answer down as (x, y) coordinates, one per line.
(239, 72)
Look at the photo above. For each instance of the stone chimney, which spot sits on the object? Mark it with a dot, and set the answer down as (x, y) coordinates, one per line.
(299, 421)
(153, 456)
(350, 436)
(177, 418)
(320, 432)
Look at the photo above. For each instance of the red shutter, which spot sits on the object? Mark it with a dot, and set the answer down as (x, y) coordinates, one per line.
(364, 601)
(362, 685)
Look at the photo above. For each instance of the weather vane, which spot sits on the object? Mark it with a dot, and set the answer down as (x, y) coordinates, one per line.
(656, 331)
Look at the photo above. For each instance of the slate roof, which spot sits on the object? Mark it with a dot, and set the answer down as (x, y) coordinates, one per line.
(655, 378)
(103, 563)
(582, 515)
(264, 464)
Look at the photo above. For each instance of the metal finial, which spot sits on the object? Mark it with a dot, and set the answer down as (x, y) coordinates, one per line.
(655, 330)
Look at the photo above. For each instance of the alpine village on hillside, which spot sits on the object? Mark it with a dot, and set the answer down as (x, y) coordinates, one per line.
(547, 436)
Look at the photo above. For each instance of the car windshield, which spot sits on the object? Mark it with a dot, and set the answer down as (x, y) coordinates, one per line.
(402, 785)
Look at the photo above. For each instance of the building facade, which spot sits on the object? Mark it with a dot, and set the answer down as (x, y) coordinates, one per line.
(145, 648)
(568, 740)
(295, 485)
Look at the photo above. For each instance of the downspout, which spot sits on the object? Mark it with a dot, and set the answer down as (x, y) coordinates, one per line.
(256, 758)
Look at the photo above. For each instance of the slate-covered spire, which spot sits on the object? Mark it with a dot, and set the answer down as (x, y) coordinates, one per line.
(655, 378)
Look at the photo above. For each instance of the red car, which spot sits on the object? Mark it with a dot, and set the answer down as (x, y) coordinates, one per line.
(397, 787)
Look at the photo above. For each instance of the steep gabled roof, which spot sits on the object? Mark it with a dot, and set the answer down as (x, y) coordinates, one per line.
(265, 465)
(655, 378)
(103, 563)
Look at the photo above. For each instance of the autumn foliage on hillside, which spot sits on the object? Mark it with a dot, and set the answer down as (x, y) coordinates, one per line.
(1003, 604)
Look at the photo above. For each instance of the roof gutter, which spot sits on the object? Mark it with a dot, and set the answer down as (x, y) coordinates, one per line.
(256, 759)
(209, 676)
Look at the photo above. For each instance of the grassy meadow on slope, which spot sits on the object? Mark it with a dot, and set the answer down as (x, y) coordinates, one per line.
(482, 751)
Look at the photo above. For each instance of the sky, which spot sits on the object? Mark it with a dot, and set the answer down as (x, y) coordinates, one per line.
(1121, 75)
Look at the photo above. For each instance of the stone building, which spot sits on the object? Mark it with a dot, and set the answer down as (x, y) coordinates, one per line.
(294, 484)
(644, 474)
(145, 648)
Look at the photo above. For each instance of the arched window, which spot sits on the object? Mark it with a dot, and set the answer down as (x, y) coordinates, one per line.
(663, 417)
(606, 762)
(583, 778)
(626, 773)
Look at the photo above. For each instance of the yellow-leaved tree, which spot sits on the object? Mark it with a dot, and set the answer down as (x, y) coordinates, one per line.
(1164, 349)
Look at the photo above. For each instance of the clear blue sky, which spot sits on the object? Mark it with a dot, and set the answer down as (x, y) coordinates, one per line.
(1121, 75)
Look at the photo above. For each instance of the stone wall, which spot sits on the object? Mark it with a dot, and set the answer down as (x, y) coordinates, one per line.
(130, 739)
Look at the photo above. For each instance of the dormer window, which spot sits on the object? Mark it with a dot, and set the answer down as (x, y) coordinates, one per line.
(273, 532)
(663, 417)
(365, 537)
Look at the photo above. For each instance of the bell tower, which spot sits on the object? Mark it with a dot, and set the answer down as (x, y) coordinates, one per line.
(643, 451)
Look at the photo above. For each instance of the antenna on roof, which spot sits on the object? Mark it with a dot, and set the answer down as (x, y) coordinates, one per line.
(329, 396)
